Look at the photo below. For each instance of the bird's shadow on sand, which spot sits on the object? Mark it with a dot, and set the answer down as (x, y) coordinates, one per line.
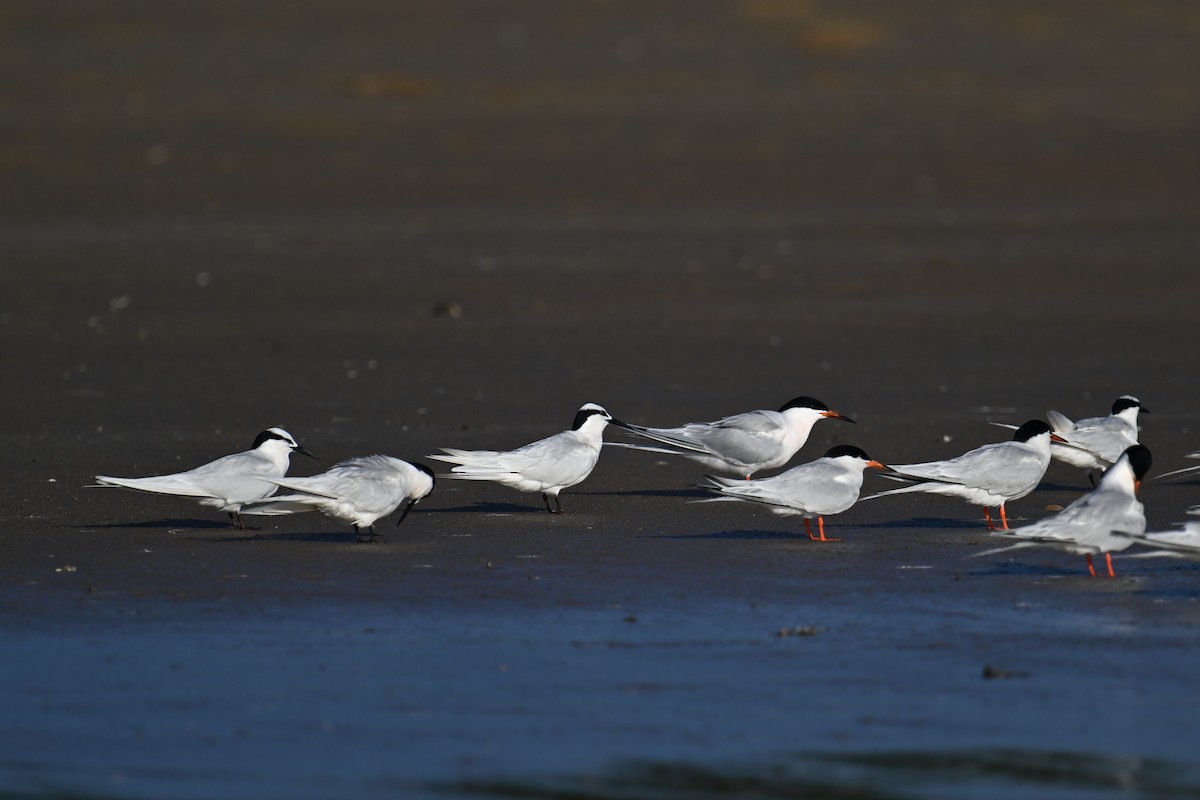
(994, 569)
(924, 523)
(488, 507)
(306, 536)
(927, 523)
(187, 524)
(691, 493)
(743, 535)
(1065, 487)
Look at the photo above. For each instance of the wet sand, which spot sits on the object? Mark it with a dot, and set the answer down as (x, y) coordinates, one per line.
(391, 229)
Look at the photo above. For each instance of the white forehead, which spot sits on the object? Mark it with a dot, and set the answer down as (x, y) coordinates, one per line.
(282, 434)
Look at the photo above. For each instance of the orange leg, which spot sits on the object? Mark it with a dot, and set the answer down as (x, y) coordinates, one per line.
(1091, 569)
(1108, 561)
(987, 514)
(1003, 516)
(821, 527)
(808, 529)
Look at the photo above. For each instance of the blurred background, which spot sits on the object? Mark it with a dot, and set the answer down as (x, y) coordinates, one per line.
(783, 108)
(305, 212)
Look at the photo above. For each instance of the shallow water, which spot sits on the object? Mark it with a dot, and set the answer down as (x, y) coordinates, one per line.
(680, 697)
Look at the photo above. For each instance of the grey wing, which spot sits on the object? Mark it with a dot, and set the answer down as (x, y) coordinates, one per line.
(559, 459)
(748, 438)
(1093, 515)
(1106, 442)
(819, 487)
(369, 483)
(236, 476)
(823, 486)
(1109, 423)
(997, 467)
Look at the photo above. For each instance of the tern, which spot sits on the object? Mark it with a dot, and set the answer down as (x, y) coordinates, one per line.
(229, 482)
(742, 444)
(1097, 442)
(1102, 521)
(548, 465)
(987, 476)
(358, 491)
(820, 488)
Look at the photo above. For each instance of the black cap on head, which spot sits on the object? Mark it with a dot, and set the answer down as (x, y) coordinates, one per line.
(1139, 460)
(1128, 401)
(588, 410)
(426, 470)
(268, 435)
(846, 450)
(1035, 427)
(804, 402)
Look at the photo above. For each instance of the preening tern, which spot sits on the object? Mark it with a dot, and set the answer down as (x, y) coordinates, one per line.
(358, 491)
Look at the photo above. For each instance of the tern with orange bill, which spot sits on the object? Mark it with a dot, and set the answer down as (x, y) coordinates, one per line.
(1103, 521)
(820, 488)
(987, 476)
(742, 444)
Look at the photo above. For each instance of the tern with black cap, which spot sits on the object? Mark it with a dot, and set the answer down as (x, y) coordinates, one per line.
(1097, 442)
(547, 466)
(829, 485)
(359, 491)
(229, 482)
(741, 444)
(1102, 522)
(988, 476)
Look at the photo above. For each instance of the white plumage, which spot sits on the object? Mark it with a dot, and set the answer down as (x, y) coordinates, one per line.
(742, 444)
(1094, 524)
(829, 485)
(1097, 442)
(359, 491)
(547, 466)
(1183, 543)
(228, 483)
(988, 476)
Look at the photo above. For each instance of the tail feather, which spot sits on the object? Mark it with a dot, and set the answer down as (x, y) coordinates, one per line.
(735, 489)
(157, 485)
(916, 487)
(644, 448)
(1173, 473)
(473, 474)
(1007, 548)
(297, 486)
(1059, 423)
(473, 459)
(680, 442)
(287, 504)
